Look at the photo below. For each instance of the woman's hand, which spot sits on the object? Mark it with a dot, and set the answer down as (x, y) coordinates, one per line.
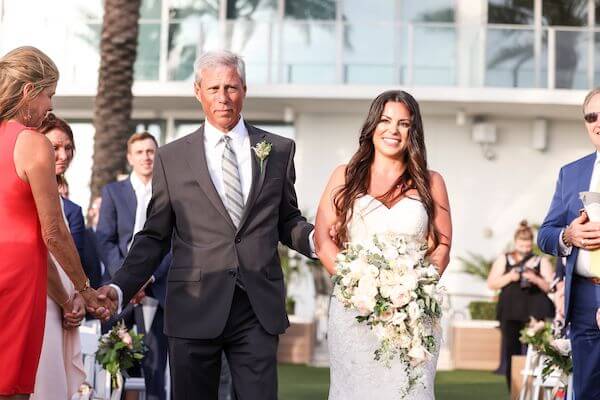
(514, 275)
(73, 312)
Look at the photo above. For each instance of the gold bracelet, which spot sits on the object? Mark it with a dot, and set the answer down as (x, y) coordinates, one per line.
(85, 287)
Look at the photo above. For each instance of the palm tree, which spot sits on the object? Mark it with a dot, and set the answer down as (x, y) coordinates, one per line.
(112, 109)
(555, 13)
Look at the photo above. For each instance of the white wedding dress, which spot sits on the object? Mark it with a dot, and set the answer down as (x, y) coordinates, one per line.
(355, 374)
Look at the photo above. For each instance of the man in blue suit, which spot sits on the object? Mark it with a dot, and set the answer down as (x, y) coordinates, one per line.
(567, 231)
(122, 215)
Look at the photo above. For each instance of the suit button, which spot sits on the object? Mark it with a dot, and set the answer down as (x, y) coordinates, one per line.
(238, 239)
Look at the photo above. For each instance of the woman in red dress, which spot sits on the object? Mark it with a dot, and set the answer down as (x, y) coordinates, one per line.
(31, 222)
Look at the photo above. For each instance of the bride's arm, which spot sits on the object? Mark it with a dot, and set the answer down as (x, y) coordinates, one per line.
(326, 248)
(440, 256)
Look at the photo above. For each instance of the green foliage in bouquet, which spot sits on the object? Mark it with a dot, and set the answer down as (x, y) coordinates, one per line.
(119, 350)
(483, 310)
(556, 350)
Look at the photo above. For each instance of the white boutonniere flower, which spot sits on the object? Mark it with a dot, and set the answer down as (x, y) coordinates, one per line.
(262, 151)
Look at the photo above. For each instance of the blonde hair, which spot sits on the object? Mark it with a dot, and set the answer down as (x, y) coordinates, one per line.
(19, 67)
(524, 231)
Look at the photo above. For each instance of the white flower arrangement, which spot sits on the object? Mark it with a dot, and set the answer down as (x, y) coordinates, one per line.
(394, 291)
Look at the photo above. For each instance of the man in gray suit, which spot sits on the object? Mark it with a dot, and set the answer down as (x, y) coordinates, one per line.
(225, 195)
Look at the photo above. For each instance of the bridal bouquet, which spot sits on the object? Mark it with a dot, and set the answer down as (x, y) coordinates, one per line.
(119, 350)
(394, 290)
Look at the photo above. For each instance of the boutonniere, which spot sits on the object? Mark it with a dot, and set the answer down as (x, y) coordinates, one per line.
(262, 151)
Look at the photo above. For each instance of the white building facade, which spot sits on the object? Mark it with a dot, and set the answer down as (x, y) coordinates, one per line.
(500, 89)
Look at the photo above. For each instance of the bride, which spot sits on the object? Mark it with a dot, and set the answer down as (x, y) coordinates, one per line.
(386, 186)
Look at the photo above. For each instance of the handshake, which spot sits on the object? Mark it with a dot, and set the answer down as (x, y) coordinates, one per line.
(101, 303)
(104, 302)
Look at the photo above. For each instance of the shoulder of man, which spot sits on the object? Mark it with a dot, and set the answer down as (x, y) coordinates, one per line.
(577, 163)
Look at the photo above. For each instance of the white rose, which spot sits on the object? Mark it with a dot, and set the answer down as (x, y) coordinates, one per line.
(409, 280)
(414, 311)
(364, 304)
(418, 354)
(562, 345)
(367, 285)
(399, 296)
(372, 270)
(390, 253)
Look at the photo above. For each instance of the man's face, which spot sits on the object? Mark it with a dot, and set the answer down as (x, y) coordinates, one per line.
(141, 157)
(593, 128)
(221, 93)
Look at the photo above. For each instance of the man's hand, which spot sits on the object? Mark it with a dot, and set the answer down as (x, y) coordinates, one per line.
(139, 296)
(583, 233)
(73, 312)
(101, 303)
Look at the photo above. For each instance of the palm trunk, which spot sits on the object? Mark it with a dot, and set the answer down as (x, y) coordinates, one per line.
(112, 109)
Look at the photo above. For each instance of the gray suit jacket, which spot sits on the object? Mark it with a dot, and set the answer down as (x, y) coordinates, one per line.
(208, 250)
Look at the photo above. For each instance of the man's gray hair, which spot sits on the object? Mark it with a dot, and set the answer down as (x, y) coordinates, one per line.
(221, 58)
(589, 96)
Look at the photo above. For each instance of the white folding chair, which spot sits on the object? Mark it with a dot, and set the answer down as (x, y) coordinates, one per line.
(529, 372)
(89, 334)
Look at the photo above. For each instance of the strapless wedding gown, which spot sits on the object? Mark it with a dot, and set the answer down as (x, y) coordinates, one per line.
(355, 374)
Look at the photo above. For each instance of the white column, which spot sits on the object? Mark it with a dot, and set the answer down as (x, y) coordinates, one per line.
(471, 20)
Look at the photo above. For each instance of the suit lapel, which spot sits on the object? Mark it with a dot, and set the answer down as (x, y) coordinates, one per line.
(258, 175)
(196, 158)
(130, 200)
(585, 176)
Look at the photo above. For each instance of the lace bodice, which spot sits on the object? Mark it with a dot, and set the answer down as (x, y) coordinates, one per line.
(370, 216)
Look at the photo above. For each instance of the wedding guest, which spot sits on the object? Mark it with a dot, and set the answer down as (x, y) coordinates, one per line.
(30, 206)
(524, 281)
(60, 370)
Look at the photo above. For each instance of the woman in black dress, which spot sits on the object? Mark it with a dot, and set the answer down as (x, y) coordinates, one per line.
(523, 280)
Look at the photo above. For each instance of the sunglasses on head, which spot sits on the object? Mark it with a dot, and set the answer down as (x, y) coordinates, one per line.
(590, 117)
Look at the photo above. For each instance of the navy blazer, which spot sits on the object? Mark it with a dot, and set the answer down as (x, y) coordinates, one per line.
(115, 230)
(572, 179)
(76, 225)
(91, 260)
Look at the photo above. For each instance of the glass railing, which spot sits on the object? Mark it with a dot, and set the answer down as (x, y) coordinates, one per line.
(341, 53)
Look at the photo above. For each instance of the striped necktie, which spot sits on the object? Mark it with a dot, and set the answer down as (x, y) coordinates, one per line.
(234, 199)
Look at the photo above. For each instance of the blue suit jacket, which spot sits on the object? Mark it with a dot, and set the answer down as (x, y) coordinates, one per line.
(572, 179)
(115, 231)
(76, 226)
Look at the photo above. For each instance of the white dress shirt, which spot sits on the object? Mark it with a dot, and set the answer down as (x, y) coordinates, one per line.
(143, 193)
(214, 146)
(582, 266)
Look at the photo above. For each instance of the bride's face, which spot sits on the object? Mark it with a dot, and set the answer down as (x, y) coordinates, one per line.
(391, 133)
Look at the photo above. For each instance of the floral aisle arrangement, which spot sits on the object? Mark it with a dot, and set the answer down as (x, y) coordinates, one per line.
(393, 289)
(119, 350)
(546, 340)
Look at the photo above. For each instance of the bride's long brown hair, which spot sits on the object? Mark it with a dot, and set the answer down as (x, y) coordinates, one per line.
(415, 176)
